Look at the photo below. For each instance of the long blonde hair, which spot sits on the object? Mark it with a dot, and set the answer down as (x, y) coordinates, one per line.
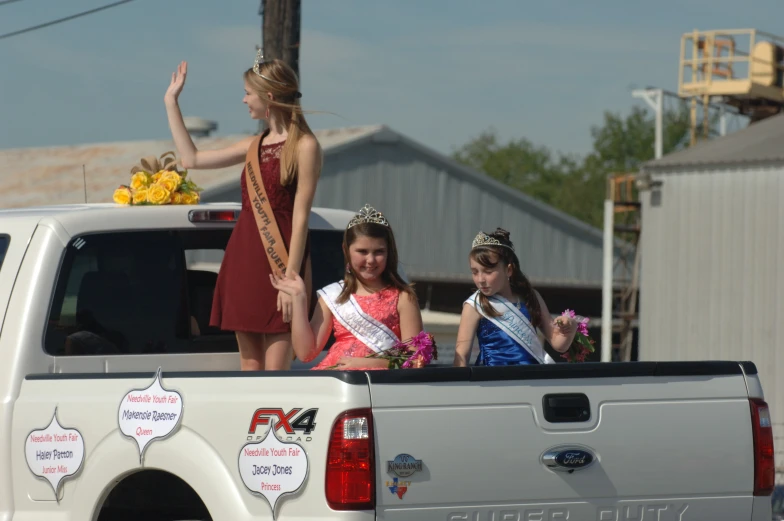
(284, 87)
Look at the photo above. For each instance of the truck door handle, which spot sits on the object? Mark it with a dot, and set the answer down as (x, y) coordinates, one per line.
(563, 408)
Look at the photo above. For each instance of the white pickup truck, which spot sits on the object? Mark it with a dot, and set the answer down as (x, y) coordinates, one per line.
(95, 299)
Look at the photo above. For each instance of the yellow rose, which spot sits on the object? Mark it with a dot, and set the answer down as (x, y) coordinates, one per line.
(140, 180)
(171, 180)
(157, 194)
(190, 198)
(122, 195)
(157, 175)
(176, 198)
(140, 196)
(168, 184)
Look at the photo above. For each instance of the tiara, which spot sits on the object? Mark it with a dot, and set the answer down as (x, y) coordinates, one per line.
(368, 214)
(257, 68)
(482, 239)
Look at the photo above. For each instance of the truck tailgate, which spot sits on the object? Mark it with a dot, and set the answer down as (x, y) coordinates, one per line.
(670, 441)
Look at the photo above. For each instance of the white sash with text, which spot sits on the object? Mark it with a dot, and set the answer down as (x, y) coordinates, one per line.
(515, 324)
(365, 328)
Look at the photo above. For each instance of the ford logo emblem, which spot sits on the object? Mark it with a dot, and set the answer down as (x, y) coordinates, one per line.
(568, 459)
(574, 459)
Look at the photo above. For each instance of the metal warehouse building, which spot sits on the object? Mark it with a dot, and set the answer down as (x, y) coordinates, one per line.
(436, 206)
(712, 278)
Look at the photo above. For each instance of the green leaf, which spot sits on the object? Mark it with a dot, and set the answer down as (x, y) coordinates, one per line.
(582, 340)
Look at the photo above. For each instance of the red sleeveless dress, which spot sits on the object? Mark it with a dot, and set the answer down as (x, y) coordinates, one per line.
(244, 298)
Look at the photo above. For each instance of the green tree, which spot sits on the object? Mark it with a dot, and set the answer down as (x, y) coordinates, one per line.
(623, 144)
(576, 185)
(520, 164)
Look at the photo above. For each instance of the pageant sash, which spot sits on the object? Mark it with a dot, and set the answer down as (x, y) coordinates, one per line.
(515, 324)
(365, 328)
(262, 210)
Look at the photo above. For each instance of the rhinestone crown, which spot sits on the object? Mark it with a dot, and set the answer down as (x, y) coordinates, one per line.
(257, 68)
(368, 214)
(482, 239)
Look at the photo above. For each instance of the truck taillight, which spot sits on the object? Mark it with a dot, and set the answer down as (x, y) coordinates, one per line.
(764, 463)
(350, 477)
(213, 216)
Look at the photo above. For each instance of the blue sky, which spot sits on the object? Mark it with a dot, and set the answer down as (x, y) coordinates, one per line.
(439, 72)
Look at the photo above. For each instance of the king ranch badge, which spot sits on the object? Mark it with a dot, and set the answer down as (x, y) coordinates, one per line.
(404, 465)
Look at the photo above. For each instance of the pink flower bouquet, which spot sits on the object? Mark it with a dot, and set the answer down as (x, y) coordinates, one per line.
(582, 345)
(416, 352)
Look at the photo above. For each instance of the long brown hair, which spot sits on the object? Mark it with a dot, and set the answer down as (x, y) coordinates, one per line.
(284, 88)
(390, 274)
(489, 256)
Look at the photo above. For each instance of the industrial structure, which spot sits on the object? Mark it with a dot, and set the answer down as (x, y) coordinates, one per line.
(710, 220)
(741, 68)
(722, 73)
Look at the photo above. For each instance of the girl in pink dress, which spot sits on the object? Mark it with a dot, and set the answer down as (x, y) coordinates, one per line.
(370, 310)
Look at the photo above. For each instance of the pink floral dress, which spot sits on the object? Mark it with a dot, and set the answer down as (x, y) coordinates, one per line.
(382, 306)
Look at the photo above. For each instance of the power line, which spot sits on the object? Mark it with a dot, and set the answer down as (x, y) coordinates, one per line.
(60, 20)
(3, 2)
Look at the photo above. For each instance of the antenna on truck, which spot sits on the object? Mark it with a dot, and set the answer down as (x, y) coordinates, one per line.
(84, 183)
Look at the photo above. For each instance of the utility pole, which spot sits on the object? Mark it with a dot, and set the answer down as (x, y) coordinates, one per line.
(280, 32)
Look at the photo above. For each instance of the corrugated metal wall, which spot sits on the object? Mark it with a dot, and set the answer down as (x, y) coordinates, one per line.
(436, 209)
(712, 280)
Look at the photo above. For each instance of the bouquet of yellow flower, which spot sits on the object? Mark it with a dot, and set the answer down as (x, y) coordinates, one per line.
(158, 181)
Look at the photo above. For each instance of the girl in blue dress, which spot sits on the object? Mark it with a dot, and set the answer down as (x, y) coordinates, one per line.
(505, 311)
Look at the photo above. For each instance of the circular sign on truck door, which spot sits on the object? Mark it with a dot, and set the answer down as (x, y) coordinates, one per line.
(54, 453)
(149, 414)
(273, 468)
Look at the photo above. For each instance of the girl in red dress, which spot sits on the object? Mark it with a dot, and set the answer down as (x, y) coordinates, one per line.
(290, 163)
(370, 310)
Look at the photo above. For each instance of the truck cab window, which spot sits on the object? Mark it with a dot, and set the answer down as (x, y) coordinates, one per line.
(120, 293)
(151, 292)
(125, 293)
(4, 241)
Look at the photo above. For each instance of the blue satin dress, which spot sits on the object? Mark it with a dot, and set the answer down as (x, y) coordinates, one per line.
(498, 348)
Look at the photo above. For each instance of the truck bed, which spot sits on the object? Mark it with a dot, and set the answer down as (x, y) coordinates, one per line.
(668, 440)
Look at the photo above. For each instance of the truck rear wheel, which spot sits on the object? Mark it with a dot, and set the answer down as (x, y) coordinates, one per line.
(153, 495)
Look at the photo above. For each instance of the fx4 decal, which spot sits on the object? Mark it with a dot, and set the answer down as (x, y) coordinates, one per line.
(292, 423)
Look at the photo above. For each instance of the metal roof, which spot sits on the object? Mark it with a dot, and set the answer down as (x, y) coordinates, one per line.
(429, 196)
(412, 182)
(91, 172)
(384, 134)
(758, 144)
